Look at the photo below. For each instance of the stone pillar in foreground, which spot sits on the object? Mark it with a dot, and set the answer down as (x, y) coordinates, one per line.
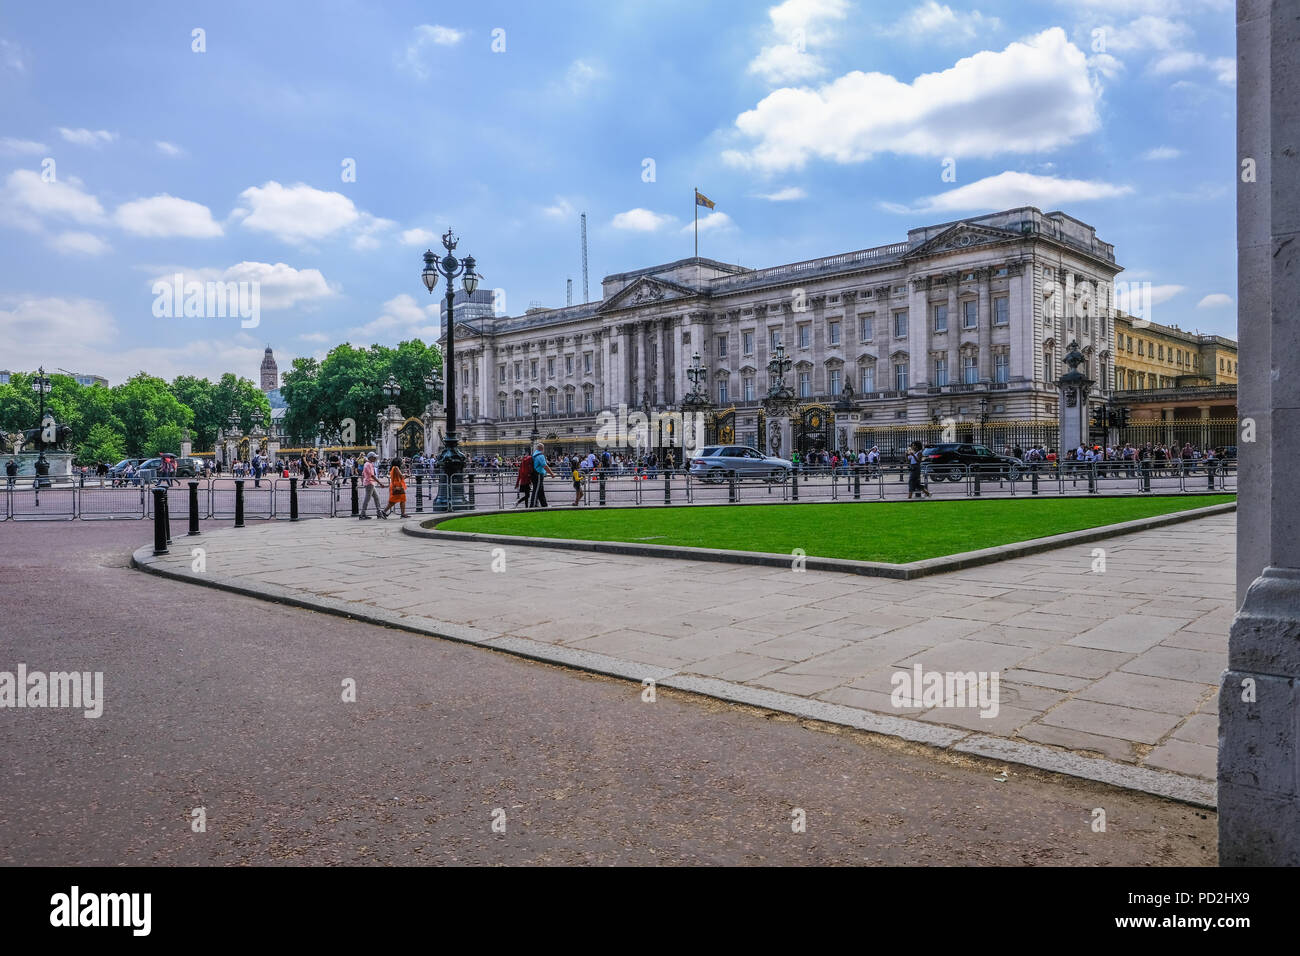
(1259, 697)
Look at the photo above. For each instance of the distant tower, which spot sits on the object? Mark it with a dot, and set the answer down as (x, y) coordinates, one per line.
(270, 372)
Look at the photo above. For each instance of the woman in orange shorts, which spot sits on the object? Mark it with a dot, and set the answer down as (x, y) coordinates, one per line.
(396, 489)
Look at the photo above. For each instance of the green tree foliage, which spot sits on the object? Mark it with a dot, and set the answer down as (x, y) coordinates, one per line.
(104, 443)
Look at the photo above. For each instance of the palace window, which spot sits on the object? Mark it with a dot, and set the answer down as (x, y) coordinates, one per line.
(941, 372)
(941, 318)
(833, 330)
(1161, 356)
(587, 401)
(550, 403)
(1000, 272)
(1001, 310)
(532, 369)
(969, 371)
(805, 336)
(519, 371)
(519, 406)
(722, 346)
(900, 324)
(835, 382)
(868, 378)
(970, 314)
(900, 376)
(586, 362)
(865, 323)
(747, 342)
(568, 402)
(501, 374)
(776, 339)
(501, 408)
(805, 384)
(1001, 368)
(722, 392)
(748, 382)
(550, 367)
(968, 277)
(1141, 347)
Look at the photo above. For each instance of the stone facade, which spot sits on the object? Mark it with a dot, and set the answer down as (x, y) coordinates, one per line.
(270, 372)
(981, 307)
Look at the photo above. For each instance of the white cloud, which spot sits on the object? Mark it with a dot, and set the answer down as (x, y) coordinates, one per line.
(61, 199)
(1214, 301)
(82, 243)
(52, 321)
(416, 237)
(785, 195)
(402, 318)
(933, 22)
(560, 209)
(22, 147)
(1225, 70)
(1162, 152)
(1178, 62)
(1159, 294)
(87, 137)
(582, 75)
(713, 222)
(11, 55)
(164, 215)
(314, 337)
(1011, 189)
(1146, 33)
(425, 37)
(1033, 96)
(640, 220)
(1106, 65)
(796, 24)
(280, 286)
(369, 230)
(296, 213)
(168, 149)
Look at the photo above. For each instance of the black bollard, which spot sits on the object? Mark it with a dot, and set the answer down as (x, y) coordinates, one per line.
(194, 508)
(293, 499)
(239, 502)
(668, 487)
(857, 484)
(1092, 478)
(159, 521)
(602, 487)
(1209, 477)
(731, 486)
(167, 515)
(356, 505)
(977, 481)
(419, 492)
(1033, 479)
(794, 485)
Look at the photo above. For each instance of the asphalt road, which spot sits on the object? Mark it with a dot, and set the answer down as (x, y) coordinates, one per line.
(231, 704)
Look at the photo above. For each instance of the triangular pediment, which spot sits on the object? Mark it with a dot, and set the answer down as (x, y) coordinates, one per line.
(960, 236)
(646, 291)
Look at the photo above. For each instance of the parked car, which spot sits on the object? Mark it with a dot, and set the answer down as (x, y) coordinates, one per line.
(189, 467)
(716, 462)
(954, 460)
(117, 470)
(148, 470)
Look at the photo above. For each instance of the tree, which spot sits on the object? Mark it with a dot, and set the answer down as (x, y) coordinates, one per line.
(104, 443)
(164, 438)
(144, 403)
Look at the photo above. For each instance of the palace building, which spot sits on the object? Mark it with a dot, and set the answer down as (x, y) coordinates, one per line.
(965, 320)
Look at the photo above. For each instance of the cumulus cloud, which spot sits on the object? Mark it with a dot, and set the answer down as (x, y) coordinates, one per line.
(560, 209)
(296, 213)
(87, 137)
(1011, 189)
(1158, 295)
(713, 222)
(60, 199)
(933, 22)
(401, 317)
(80, 243)
(280, 286)
(1214, 300)
(168, 149)
(21, 147)
(796, 24)
(1162, 152)
(164, 216)
(1034, 96)
(582, 75)
(640, 220)
(420, 50)
(417, 237)
(785, 195)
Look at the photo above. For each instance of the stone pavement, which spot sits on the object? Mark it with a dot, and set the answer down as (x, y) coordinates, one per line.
(1109, 675)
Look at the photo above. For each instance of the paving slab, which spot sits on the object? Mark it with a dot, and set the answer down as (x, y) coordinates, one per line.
(1115, 668)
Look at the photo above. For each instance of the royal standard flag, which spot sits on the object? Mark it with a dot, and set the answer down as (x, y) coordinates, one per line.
(703, 200)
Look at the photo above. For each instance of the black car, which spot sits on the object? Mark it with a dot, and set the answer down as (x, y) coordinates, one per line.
(954, 460)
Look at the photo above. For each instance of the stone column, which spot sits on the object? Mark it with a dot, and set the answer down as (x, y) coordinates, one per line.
(985, 325)
(1259, 697)
(918, 338)
(954, 329)
(658, 389)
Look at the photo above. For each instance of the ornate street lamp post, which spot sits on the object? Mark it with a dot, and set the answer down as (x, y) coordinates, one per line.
(984, 419)
(451, 494)
(41, 385)
(535, 434)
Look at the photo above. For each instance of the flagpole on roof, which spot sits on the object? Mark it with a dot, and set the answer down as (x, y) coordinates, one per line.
(696, 205)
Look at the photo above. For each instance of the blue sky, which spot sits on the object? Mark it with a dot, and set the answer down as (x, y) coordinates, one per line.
(818, 127)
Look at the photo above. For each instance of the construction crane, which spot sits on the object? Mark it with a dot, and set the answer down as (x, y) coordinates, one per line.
(585, 298)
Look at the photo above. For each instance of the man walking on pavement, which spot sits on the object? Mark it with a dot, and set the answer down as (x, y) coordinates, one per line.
(370, 480)
(541, 468)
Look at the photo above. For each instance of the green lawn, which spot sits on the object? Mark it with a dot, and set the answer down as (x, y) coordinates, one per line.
(894, 532)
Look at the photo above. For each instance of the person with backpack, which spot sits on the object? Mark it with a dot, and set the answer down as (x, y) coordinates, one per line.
(524, 481)
(914, 485)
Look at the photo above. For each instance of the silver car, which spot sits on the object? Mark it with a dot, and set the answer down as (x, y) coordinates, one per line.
(717, 462)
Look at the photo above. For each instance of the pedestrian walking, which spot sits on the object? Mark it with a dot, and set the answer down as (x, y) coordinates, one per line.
(370, 481)
(541, 469)
(914, 485)
(396, 489)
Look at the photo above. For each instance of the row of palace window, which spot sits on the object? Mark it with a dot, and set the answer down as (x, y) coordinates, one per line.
(1157, 351)
(552, 404)
(1138, 381)
(550, 367)
(867, 378)
(866, 327)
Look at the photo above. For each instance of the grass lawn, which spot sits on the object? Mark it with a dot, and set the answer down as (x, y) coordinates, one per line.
(893, 532)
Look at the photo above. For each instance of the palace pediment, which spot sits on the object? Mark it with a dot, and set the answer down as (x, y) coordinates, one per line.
(646, 291)
(962, 235)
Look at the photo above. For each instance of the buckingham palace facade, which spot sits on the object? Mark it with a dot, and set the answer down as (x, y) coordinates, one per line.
(962, 321)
